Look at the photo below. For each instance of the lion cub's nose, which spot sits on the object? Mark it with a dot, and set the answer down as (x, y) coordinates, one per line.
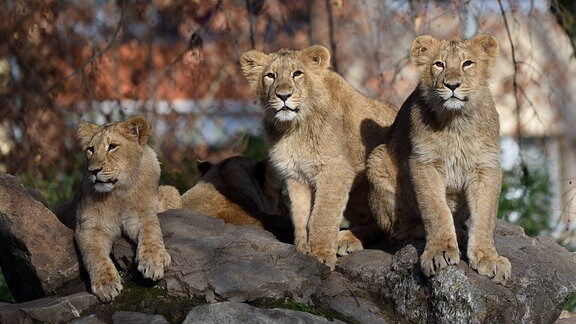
(283, 96)
(452, 85)
(94, 171)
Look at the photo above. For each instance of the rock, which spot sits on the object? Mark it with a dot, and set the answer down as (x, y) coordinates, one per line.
(233, 312)
(228, 262)
(349, 301)
(543, 278)
(566, 317)
(350, 291)
(230, 266)
(38, 196)
(91, 319)
(358, 310)
(37, 253)
(50, 309)
(455, 299)
(137, 318)
(405, 287)
(506, 229)
(55, 309)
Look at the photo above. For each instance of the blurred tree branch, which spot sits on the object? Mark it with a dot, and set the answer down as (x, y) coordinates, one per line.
(514, 76)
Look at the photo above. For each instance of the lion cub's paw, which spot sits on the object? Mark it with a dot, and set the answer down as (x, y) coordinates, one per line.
(107, 284)
(302, 246)
(437, 257)
(328, 259)
(153, 262)
(348, 243)
(497, 268)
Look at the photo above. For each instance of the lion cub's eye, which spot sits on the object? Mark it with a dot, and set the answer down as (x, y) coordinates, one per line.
(439, 64)
(467, 63)
(297, 73)
(90, 150)
(271, 75)
(112, 146)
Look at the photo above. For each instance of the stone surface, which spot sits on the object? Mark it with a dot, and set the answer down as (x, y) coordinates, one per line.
(350, 293)
(233, 312)
(229, 267)
(228, 262)
(543, 277)
(566, 317)
(37, 253)
(37, 196)
(50, 309)
(137, 318)
(90, 319)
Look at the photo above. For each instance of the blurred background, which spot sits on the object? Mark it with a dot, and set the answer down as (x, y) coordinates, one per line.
(177, 63)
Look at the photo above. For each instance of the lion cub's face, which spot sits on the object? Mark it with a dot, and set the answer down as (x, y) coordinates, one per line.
(285, 85)
(283, 81)
(113, 152)
(454, 69)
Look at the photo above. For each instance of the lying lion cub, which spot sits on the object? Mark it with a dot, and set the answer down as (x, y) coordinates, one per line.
(120, 193)
(321, 130)
(440, 167)
(241, 191)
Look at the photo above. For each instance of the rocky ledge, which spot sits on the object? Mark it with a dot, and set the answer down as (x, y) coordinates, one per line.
(221, 272)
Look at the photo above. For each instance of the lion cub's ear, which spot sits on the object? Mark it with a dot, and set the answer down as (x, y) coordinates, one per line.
(487, 45)
(136, 128)
(86, 131)
(423, 47)
(253, 63)
(317, 55)
(203, 166)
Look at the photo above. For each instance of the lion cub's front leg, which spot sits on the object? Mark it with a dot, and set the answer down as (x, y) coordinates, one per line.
(151, 254)
(441, 242)
(316, 229)
(301, 202)
(95, 245)
(330, 199)
(482, 196)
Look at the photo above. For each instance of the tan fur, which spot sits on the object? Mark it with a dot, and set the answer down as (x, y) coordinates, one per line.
(168, 198)
(321, 130)
(120, 194)
(241, 191)
(440, 166)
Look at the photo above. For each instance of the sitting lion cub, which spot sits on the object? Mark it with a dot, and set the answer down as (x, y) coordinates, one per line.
(321, 130)
(120, 193)
(440, 166)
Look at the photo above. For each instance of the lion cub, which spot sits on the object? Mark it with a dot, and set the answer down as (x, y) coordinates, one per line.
(321, 130)
(242, 191)
(120, 193)
(440, 170)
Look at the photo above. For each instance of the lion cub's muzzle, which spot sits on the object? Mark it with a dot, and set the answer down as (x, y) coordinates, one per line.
(284, 96)
(452, 96)
(100, 183)
(285, 109)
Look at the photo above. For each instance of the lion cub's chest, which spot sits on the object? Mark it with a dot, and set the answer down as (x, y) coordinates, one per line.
(456, 155)
(117, 211)
(299, 162)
